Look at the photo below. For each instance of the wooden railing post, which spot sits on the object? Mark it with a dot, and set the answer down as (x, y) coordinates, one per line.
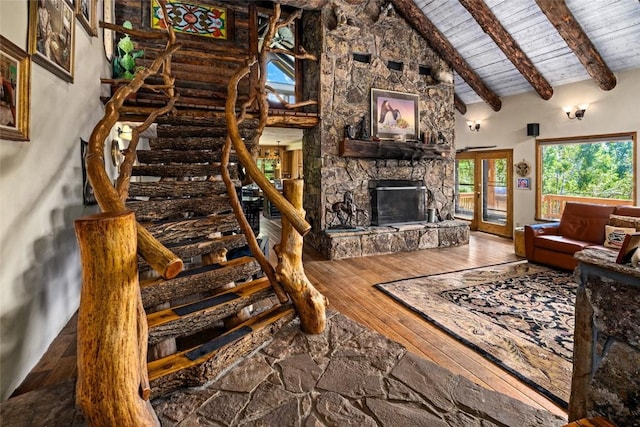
(113, 385)
(309, 302)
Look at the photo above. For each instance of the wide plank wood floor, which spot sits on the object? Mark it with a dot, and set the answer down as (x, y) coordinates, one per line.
(348, 284)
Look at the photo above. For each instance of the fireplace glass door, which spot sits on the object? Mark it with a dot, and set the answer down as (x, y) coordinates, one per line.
(483, 190)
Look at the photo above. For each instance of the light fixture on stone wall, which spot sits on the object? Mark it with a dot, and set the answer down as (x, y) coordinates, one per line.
(474, 126)
(578, 112)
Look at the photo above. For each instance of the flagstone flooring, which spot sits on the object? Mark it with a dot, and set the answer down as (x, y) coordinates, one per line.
(346, 376)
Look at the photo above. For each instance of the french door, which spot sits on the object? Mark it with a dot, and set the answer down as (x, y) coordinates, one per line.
(484, 190)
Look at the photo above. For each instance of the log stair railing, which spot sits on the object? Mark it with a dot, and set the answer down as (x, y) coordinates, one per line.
(190, 307)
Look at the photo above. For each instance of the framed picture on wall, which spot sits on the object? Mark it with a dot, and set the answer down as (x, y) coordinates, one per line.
(108, 36)
(15, 91)
(394, 115)
(190, 17)
(52, 36)
(523, 183)
(86, 13)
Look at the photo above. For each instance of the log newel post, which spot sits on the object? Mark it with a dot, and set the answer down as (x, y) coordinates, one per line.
(309, 302)
(112, 386)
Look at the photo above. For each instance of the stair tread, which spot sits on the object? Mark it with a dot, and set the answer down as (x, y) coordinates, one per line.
(203, 279)
(180, 361)
(182, 156)
(157, 210)
(176, 188)
(241, 291)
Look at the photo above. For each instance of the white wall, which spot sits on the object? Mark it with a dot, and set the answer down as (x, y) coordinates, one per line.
(609, 112)
(41, 196)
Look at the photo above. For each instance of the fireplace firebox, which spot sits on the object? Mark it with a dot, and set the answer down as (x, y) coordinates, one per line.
(397, 201)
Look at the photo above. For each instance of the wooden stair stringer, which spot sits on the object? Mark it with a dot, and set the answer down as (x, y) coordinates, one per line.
(176, 371)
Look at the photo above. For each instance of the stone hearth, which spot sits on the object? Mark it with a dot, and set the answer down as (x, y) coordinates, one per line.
(394, 238)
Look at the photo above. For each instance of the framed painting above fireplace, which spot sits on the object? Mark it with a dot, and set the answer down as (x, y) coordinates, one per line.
(394, 115)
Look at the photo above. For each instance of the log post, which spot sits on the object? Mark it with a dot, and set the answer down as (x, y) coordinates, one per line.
(112, 382)
(309, 302)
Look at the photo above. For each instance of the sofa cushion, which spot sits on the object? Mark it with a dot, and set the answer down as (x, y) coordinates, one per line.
(624, 221)
(614, 236)
(560, 244)
(585, 221)
(627, 210)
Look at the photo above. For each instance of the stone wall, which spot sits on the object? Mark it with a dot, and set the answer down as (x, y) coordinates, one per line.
(606, 355)
(343, 87)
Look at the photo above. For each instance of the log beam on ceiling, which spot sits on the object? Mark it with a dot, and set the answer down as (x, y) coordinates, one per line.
(416, 18)
(459, 104)
(570, 30)
(490, 25)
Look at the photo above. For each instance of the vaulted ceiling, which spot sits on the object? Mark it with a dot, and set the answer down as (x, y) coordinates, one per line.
(499, 48)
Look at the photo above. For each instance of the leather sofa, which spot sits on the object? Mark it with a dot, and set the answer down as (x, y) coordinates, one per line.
(581, 225)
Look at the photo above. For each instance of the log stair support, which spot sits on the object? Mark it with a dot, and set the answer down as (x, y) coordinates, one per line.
(177, 194)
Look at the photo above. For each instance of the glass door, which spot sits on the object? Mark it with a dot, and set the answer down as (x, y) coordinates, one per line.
(484, 191)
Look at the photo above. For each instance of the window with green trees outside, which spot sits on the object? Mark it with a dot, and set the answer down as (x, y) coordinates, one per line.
(598, 169)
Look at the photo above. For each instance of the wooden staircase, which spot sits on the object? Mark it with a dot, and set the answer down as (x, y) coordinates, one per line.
(178, 195)
(202, 300)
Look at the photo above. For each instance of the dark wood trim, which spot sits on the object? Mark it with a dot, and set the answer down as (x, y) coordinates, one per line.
(253, 52)
(490, 25)
(412, 13)
(304, 4)
(393, 150)
(570, 30)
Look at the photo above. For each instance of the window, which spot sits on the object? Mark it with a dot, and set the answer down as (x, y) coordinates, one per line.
(281, 67)
(594, 169)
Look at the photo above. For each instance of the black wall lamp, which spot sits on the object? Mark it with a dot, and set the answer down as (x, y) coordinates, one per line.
(578, 112)
(474, 126)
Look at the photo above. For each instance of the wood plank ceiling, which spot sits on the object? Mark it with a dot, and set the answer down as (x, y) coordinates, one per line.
(499, 48)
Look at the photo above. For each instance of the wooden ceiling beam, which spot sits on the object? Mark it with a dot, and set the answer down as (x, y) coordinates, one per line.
(459, 104)
(570, 30)
(437, 41)
(490, 25)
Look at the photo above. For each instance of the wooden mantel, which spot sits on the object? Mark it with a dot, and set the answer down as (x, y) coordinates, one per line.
(408, 150)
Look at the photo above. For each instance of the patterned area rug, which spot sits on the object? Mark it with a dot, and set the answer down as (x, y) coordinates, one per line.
(518, 315)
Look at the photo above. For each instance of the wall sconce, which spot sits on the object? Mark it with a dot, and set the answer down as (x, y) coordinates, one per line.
(579, 111)
(474, 126)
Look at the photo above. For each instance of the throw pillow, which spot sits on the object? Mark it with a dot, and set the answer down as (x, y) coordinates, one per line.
(624, 221)
(614, 236)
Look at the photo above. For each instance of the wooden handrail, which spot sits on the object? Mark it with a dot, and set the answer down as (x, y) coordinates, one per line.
(109, 199)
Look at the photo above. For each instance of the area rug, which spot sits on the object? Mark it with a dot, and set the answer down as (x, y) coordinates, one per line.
(518, 315)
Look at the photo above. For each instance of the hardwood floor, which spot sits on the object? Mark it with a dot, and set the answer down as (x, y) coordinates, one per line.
(348, 284)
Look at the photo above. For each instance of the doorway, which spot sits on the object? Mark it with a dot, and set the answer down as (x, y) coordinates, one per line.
(484, 192)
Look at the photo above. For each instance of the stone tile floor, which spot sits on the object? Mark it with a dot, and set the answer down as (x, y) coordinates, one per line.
(347, 376)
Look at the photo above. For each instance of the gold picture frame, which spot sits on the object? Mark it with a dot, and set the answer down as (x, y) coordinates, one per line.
(52, 36)
(15, 92)
(108, 36)
(86, 12)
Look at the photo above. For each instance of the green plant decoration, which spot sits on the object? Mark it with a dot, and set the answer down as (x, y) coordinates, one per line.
(124, 64)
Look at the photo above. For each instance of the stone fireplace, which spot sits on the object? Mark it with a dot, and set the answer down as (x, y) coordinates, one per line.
(361, 48)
